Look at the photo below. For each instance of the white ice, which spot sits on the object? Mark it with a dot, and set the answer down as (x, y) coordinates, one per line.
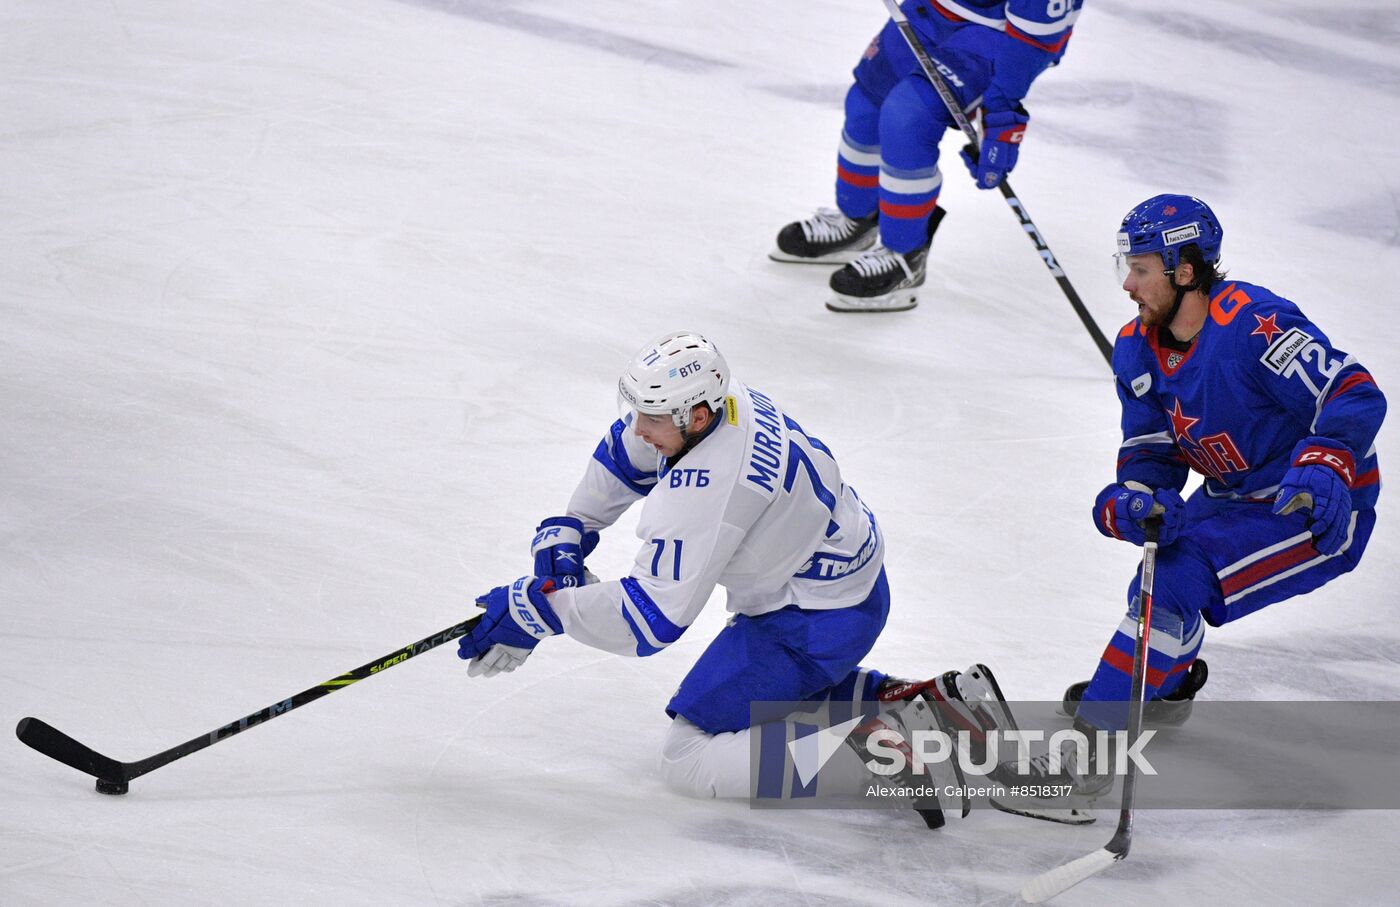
(312, 310)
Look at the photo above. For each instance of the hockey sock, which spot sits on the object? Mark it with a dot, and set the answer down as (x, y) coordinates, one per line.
(1172, 645)
(912, 120)
(858, 156)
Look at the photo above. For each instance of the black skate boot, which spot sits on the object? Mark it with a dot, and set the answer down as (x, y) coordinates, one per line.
(1170, 711)
(828, 237)
(882, 280)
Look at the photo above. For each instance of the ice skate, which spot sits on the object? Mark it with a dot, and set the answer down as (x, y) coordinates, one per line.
(1170, 711)
(882, 280)
(1059, 787)
(962, 705)
(828, 237)
(905, 718)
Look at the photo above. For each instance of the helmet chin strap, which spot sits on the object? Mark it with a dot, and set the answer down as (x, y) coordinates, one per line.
(690, 440)
(1176, 306)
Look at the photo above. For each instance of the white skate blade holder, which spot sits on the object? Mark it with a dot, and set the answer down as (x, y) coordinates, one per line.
(839, 257)
(901, 300)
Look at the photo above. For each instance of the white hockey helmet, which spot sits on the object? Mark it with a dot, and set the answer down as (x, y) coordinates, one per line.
(673, 373)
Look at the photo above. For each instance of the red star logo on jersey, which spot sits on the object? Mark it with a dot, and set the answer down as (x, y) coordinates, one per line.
(1169, 210)
(1181, 424)
(1268, 327)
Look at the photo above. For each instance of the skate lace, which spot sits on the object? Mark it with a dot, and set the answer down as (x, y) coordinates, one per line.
(829, 225)
(881, 260)
(1040, 766)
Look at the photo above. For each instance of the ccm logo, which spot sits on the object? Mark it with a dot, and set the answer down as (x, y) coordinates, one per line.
(1339, 463)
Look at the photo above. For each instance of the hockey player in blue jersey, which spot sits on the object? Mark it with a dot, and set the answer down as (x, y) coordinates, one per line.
(735, 492)
(887, 174)
(1229, 380)
(1234, 382)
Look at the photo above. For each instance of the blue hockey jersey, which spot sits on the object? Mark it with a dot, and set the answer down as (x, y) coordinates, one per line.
(1259, 378)
(1020, 37)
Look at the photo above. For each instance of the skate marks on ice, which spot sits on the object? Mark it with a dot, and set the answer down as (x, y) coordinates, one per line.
(1376, 218)
(1376, 25)
(1293, 51)
(1339, 666)
(823, 94)
(507, 15)
(878, 857)
(1127, 125)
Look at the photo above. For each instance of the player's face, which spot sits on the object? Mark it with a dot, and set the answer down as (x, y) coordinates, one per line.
(1148, 285)
(660, 432)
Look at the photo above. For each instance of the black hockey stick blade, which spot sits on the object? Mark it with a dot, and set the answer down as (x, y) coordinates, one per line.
(112, 776)
(55, 744)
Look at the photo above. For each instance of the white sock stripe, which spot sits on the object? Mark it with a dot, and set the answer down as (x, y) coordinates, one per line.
(1162, 642)
(1194, 640)
(855, 156)
(903, 186)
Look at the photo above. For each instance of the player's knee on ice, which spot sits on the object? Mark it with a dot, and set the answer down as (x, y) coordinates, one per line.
(706, 766)
(697, 764)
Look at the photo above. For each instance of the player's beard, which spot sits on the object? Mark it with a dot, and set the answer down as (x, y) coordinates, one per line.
(1152, 314)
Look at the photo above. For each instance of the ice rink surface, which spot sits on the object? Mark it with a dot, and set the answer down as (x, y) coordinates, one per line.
(312, 310)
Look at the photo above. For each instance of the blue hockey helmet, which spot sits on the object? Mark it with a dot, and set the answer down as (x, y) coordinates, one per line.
(1168, 223)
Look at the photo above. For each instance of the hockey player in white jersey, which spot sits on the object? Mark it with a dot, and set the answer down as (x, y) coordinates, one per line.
(737, 493)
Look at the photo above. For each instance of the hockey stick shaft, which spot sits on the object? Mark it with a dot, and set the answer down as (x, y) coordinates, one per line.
(934, 73)
(1062, 878)
(1122, 838)
(57, 745)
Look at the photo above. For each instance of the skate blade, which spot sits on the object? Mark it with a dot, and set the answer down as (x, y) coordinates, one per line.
(1167, 714)
(901, 300)
(1071, 815)
(844, 256)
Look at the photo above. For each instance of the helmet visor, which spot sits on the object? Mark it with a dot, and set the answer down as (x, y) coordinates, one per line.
(632, 415)
(1140, 264)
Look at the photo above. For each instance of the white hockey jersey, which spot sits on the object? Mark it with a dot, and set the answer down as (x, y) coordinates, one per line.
(758, 506)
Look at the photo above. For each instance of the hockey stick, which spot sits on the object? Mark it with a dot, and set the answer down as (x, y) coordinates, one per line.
(933, 71)
(1062, 878)
(113, 776)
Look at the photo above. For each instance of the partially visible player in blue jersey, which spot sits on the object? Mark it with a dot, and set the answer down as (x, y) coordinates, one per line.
(887, 175)
(734, 492)
(1232, 381)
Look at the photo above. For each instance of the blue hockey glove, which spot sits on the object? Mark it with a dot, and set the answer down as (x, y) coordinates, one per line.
(517, 617)
(559, 548)
(1002, 131)
(1320, 480)
(1121, 510)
